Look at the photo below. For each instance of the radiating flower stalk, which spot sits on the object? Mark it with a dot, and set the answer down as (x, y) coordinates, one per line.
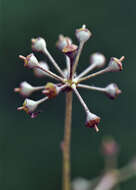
(68, 81)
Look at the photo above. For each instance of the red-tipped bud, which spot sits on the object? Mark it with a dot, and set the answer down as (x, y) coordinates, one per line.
(92, 121)
(116, 64)
(112, 91)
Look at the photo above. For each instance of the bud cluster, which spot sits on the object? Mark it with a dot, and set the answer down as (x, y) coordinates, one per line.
(68, 78)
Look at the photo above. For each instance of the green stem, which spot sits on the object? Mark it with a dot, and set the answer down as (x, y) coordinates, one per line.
(67, 140)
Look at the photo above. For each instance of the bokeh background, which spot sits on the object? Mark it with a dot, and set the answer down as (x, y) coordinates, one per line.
(30, 156)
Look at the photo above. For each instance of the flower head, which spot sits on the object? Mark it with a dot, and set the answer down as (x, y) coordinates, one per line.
(68, 80)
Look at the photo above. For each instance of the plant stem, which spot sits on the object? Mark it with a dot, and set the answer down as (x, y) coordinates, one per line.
(67, 139)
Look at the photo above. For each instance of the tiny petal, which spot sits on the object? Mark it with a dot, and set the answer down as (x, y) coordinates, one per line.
(38, 44)
(92, 120)
(51, 90)
(25, 89)
(30, 61)
(63, 42)
(98, 59)
(112, 91)
(40, 73)
(115, 64)
(83, 34)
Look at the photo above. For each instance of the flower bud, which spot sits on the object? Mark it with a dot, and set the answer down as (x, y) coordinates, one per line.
(25, 89)
(40, 73)
(70, 51)
(112, 91)
(38, 44)
(97, 59)
(115, 64)
(109, 147)
(30, 61)
(29, 106)
(51, 90)
(63, 42)
(83, 34)
(92, 121)
(81, 184)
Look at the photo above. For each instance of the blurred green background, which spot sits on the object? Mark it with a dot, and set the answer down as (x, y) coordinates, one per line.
(30, 156)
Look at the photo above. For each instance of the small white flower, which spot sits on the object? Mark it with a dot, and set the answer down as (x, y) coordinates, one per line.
(115, 64)
(92, 120)
(30, 61)
(63, 42)
(40, 73)
(83, 34)
(97, 59)
(38, 44)
(81, 184)
(25, 89)
(112, 90)
(29, 106)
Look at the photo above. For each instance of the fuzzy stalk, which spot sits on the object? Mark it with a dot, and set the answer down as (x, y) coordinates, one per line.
(67, 139)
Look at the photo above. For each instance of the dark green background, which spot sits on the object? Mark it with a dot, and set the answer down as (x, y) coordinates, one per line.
(30, 156)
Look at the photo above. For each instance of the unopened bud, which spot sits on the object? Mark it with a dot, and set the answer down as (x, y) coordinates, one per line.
(109, 147)
(51, 90)
(81, 184)
(92, 121)
(70, 50)
(29, 106)
(97, 59)
(25, 89)
(83, 34)
(39, 72)
(30, 61)
(116, 64)
(112, 91)
(38, 44)
(63, 42)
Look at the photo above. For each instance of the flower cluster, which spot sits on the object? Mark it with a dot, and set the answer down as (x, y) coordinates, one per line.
(67, 79)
